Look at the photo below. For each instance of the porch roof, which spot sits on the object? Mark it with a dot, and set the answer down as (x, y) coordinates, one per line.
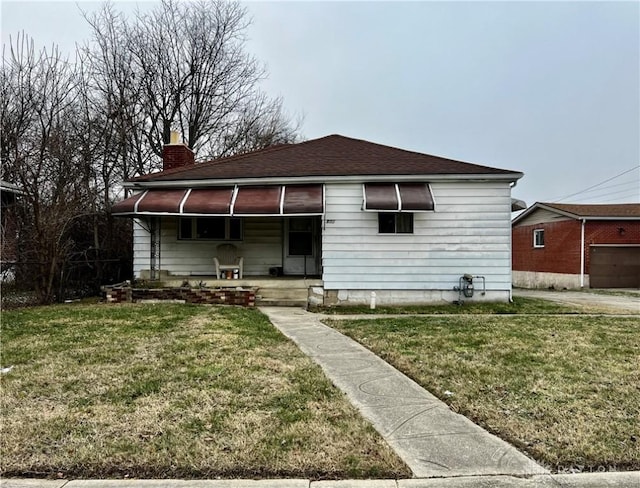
(242, 201)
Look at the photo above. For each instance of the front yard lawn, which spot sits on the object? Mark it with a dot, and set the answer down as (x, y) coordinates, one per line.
(177, 391)
(564, 389)
(520, 305)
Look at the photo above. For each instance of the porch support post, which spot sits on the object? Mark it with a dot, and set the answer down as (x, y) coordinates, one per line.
(154, 248)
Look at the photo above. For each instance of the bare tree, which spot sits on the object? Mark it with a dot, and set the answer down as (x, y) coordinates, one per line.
(114, 100)
(190, 72)
(40, 99)
(72, 131)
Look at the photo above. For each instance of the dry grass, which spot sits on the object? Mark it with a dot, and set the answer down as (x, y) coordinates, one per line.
(173, 391)
(565, 389)
(519, 305)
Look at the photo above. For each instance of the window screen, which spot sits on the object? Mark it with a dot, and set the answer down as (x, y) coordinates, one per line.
(404, 223)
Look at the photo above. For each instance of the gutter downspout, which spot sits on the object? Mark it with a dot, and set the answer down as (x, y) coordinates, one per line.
(582, 254)
(512, 185)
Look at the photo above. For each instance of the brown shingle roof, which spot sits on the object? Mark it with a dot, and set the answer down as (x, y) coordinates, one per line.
(598, 210)
(332, 155)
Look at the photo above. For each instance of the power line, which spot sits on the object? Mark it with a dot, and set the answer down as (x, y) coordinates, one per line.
(626, 183)
(620, 198)
(604, 192)
(599, 198)
(598, 184)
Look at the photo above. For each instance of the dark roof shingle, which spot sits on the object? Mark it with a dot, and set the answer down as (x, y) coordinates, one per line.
(332, 155)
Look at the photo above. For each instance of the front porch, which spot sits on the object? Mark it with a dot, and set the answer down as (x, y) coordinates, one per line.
(289, 246)
(269, 290)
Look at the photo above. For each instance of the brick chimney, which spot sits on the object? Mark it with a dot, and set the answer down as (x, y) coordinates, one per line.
(176, 154)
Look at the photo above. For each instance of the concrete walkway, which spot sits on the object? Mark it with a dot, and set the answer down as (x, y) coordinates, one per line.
(431, 439)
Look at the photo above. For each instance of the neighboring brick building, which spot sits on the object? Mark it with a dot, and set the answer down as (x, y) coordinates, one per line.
(572, 246)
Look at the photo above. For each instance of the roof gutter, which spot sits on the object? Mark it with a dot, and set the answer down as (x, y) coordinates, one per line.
(620, 217)
(510, 177)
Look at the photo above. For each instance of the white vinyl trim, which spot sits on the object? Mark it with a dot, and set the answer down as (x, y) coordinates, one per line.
(135, 206)
(234, 195)
(282, 192)
(433, 198)
(323, 179)
(582, 253)
(536, 233)
(184, 199)
(398, 197)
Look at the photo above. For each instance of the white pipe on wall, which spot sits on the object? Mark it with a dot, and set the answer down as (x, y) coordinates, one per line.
(582, 254)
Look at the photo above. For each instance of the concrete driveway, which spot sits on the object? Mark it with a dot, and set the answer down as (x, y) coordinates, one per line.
(589, 300)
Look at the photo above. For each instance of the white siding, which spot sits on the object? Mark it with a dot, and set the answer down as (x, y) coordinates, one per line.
(262, 245)
(261, 248)
(542, 216)
(470, 232)
(141, 243)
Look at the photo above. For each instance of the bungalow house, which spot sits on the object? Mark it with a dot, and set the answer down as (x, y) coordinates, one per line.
(360, 217)
(572, 246)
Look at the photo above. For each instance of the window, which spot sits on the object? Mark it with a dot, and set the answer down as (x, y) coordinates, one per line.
(301, 237)
(211, 228)
(395, 223)
(538, 238)
(214, 228)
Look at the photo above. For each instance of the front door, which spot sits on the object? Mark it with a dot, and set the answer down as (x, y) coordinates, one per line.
(301, 246)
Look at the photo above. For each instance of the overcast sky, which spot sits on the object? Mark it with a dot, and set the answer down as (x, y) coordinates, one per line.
(551, 89)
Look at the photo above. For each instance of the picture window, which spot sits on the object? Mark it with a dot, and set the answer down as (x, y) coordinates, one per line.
(210, 228)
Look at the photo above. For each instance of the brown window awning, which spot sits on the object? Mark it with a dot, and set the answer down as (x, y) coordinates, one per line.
(257, 200)
(397, 197)
(151, 201)
(163, 201)
(210, 201)
(303, 199)
(274, 200)
(126, 206)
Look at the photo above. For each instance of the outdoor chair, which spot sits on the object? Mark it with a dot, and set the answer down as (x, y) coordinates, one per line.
(228, 260)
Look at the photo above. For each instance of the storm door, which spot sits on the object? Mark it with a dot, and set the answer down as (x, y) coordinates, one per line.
(301, 246)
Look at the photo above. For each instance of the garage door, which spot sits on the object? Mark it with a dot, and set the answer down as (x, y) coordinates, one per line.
(614, 267)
